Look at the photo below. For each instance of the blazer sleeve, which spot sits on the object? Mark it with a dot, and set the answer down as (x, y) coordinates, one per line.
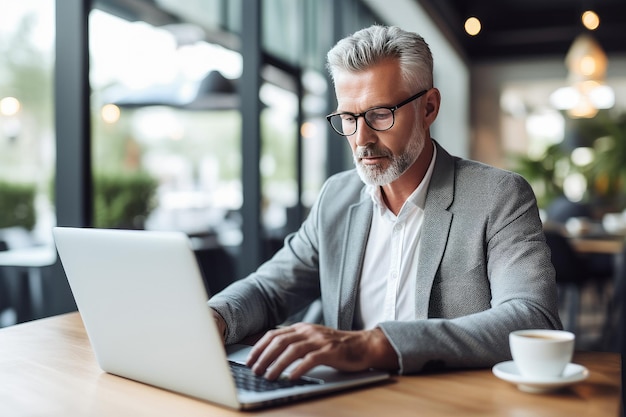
(280, 287)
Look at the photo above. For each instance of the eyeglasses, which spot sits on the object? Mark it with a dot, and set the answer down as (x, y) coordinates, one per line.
(378, 118)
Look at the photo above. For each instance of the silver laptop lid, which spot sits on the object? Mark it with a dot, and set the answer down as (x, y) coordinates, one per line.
(143, 301)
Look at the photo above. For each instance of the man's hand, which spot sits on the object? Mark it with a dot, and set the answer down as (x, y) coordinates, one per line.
(319, 345)
(221, 324)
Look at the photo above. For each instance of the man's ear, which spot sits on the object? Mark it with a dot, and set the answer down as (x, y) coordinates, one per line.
(432, 101)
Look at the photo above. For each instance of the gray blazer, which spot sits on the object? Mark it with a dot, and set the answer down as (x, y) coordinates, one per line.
(484, 268)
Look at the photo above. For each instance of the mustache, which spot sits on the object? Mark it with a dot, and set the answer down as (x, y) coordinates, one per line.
(370, 152)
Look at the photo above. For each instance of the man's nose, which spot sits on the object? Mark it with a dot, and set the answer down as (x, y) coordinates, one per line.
(364, 134)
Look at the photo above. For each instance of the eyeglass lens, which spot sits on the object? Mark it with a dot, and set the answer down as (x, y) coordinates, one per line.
(378, 119)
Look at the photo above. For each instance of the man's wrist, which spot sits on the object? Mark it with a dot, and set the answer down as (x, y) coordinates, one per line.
(222, 327)
(383, 355)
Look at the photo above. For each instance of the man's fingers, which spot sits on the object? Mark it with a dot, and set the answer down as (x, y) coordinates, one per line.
(257, 349)
(296, 349)
(279, 348)
(267, 349)
(308, 362)
(282, 351)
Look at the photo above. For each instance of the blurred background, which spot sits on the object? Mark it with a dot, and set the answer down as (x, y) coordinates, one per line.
(207, 117)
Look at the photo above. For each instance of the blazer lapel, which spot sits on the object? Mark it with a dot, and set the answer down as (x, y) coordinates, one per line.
(359, 221)
(436, 227)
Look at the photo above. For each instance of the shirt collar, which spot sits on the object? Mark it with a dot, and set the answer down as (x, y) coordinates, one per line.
(417, 197)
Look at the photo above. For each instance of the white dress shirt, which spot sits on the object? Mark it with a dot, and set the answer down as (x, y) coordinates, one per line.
(388, 285)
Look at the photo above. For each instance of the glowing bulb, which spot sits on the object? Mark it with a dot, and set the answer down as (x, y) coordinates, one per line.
(110, 113)
(591, 20)
(583, 109)
(308, 130)
(587, 66)
(9, 106)
(472, 26)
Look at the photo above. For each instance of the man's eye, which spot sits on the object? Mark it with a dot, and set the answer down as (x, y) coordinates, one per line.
(347, 118)
(378, 115)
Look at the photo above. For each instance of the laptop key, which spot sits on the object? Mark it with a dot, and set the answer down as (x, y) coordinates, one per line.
(247, 380)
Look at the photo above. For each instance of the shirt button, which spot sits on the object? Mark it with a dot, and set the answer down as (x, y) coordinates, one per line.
(398, 227)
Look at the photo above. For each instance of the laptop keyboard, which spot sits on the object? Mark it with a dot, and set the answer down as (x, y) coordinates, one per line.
(248, 380)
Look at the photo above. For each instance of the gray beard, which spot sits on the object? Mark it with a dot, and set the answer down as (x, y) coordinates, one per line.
(377, 176)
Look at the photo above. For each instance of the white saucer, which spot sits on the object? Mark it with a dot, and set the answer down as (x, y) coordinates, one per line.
(508, 371)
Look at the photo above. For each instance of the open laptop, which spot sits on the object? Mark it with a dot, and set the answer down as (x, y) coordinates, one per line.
(143, 301)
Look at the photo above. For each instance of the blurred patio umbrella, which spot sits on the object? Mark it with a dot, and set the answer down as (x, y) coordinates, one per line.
(213, 92)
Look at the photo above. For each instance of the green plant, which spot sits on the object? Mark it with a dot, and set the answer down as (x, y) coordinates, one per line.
(17, 205)
(123, 200)
(542, 173)
(607, 174)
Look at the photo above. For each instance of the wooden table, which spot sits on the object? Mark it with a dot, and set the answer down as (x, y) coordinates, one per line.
(47, 368)
(612, 246)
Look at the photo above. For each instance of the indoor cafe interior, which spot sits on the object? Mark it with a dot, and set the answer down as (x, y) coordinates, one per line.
(208, 117)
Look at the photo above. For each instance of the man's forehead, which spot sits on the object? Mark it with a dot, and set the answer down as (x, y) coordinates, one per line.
(359, 96)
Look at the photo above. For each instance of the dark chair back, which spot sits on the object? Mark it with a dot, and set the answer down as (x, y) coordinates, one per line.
(568, 264)
(620, 293)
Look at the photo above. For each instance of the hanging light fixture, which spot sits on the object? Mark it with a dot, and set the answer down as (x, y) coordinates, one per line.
(586, 60)
(586, 63)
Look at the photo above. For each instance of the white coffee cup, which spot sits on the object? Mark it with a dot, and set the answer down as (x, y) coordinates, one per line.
(540, 353)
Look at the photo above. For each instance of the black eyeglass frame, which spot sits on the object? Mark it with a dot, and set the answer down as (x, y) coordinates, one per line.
(357, 115)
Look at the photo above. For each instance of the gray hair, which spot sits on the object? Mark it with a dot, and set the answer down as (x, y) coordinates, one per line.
(375, 44)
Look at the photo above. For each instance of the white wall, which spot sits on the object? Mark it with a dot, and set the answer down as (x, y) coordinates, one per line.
(452, 76)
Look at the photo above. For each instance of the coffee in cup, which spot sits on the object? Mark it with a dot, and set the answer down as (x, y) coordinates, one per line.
(541, 353)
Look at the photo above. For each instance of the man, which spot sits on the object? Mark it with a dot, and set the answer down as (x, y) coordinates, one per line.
(422, 260)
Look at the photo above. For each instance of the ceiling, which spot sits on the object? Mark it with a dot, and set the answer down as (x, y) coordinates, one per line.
(513, 29)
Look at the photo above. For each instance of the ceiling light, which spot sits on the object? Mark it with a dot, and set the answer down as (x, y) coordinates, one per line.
(602, 97)
(590, 19)
(586, 94)
(583, 99)
(583, 109)
(586, 59)
(564, 98)
(472, 26)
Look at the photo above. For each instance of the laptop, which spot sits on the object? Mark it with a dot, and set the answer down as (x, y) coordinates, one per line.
(143, 302)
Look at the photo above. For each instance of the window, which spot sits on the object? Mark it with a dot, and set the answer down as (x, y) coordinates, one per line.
(166, 127)
(26, 120)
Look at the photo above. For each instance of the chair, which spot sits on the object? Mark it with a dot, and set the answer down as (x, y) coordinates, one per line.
(562, 209)
(617, 323)
(571, 275)
(620, 294)
(22, 261)
(614, 331)
(217, 266)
